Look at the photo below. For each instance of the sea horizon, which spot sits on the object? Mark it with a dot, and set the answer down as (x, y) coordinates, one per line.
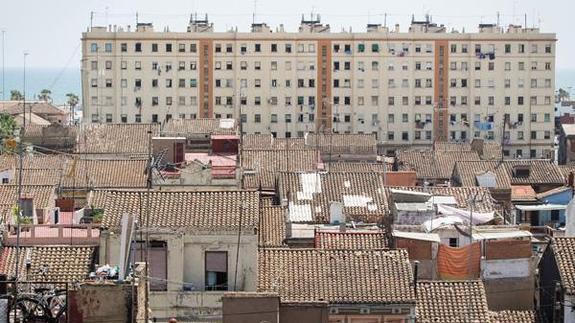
(64, 80)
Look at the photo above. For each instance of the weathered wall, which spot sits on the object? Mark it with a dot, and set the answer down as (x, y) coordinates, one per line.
(100, 303)
(250, 307)
(506, 268)
(510, 293)
(303, 313)
(508, 249)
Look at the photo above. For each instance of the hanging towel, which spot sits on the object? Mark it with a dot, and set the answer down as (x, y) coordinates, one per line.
(459, 263)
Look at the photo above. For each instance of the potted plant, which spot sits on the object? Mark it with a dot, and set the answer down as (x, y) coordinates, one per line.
(22, 220)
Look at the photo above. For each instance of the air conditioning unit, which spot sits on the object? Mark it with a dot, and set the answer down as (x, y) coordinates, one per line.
(333, 311)
(364, 311)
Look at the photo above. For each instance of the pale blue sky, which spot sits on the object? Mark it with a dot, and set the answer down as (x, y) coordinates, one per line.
(51, 30)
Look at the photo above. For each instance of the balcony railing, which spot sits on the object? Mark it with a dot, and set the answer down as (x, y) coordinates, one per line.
(51, 234)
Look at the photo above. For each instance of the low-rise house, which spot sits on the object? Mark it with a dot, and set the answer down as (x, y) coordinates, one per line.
(115, 141)
(557, 280)
(260, 167)
(452, 302)
(548, 209)
(269, 142)
(309, 196)
(200, 132)
(42, 109)
(61, 263)
(355, 285)
(567, 144)
(343, 146)
(201, 244)
(433, 167)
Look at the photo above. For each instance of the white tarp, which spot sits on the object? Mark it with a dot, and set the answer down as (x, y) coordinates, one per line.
(541, 207)
(570, 219)
(433, 224)
(311, 183)
(477, 218)
(356, 200)
(227, 123)
(300, 213)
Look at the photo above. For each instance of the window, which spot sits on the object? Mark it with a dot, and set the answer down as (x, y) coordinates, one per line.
(124, 47)
(257, 48)
(257, 118)
(93, 47)
(138, 47)
(108, 47)
(507, 48)
(287, 48)
(548, 48)
(154, 48)
(533, 135)
(453, 242)
(287, 118)
(216, 269)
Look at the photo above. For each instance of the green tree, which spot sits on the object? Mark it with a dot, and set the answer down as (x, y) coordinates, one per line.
(7, 125)
(562, 95)
(16, 95)
(73, 101)
(45, 95)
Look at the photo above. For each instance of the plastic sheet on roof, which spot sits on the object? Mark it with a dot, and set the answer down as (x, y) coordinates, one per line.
(357, 200)
(300, 213)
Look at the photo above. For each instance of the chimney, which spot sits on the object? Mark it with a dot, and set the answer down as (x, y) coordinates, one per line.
(336, 213)
(415, 272)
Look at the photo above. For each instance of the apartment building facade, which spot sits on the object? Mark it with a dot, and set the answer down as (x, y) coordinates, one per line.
(409, 88)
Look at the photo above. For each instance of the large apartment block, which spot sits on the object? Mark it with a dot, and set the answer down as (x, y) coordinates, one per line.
(410, 88)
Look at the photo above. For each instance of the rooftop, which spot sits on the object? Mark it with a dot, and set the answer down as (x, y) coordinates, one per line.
(186, 211)
(433, 165)
(540, 171)
(564, 250)
(568, 129)
(123, 138)
(451, 302)
(62, 263)
(200, 126)
(272, 227)
(358, 240)
(263, 141)
(342, 143)
(336, 276)
(514, 316)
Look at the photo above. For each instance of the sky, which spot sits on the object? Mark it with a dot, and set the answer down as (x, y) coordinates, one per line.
(50, 31)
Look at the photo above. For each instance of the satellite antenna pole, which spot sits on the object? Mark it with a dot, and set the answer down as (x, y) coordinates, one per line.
(255, 10)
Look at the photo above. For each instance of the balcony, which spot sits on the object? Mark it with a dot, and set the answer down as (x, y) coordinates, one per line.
(53, 234)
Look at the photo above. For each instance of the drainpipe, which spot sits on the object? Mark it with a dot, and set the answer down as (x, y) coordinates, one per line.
(415, 270)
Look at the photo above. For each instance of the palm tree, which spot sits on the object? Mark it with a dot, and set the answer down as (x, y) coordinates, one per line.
(16, 95)
(73, 101)
(45, 95)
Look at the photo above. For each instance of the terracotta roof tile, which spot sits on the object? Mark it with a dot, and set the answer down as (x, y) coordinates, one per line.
(263, 141)
(340, 143)
(565, 170)
(540, 172)
(362, 195)
(272, 227)
(358, 167)
(202, 211)
(183, 127)
(451, 302)
(432, 165)
(564, 250)
(124, 138)
(513, 316)
(43, 196)
(262, 165)
(100, 173)
(63, 263)
(350, 240)
(336, 276)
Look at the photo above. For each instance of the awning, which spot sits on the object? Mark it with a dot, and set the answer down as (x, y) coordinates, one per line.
(541, 207)
(494, 235)
(433, 237)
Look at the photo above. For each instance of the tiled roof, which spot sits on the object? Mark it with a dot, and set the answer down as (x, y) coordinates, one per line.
(97, 199)
(101, 173)
(182, 127)
(565, 170)
(540, 172)
(432, 164)
(32, 161)
(43, 196)
(124, 138)
(341, 143)
(336, 276)
(451, 302)
(523, 193)
(513, 316)
(467, 171)
(350, 240)
(451, 146)
(202, 211)
(564, 251)
(263, 141)
(63, 263)
(310, 194)
(483, 203)
(39, 176)
(37, 107)
(357, 167)
(266, 163)
(272, 231)
(491, 151)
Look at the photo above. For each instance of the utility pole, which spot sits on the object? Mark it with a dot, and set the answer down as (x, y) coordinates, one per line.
(147, 226)
(3, 65)
(20, 166)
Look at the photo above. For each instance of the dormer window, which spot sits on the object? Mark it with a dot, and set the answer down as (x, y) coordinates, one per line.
(521, 171)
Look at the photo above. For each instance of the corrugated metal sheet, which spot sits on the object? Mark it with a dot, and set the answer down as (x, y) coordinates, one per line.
(434, 237)
(300, 213)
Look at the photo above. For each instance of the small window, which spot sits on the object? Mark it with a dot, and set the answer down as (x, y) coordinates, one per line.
(216, 270)
(453, 242)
